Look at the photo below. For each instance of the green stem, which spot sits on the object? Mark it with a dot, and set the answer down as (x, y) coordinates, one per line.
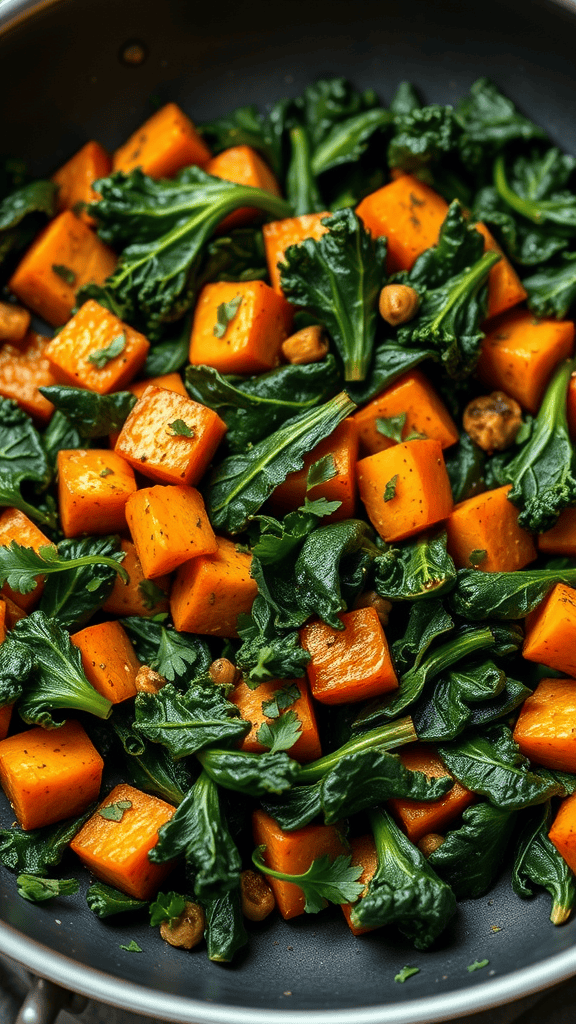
(261, 865)
(300, 183)
(522, 206)
(445, 656)
(470, 283)
(386, 737)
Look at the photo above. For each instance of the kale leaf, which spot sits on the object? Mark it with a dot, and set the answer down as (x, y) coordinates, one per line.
(60, 434)
(427, 621)
(471, 856)
(505, 595)
(22, 459)
(539, 863)
(253, 774)
(40, 849)
(489, 119)
(421, 568)
(267, 652)
(155, 771)
(104, 901)
(91, 414)
(179, 657)
(22, 213)
(552, 290)
(187, 722)
(536, 187)
(73, 594)
(422, 136)
(225, 933)
(465, 467)
(459, 246)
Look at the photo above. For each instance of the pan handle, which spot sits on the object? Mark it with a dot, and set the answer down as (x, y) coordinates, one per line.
(44, 1002)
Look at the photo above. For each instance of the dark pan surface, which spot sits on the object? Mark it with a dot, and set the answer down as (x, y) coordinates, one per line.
(62, 82)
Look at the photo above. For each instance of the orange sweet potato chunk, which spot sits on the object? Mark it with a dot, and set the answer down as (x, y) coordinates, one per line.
(50, 774)
(211, 591)
(551, 631)
(563, 831)
(351, 664)
(292, 853)
(505, 288)
(560, 539)
(413, 396)
(23, 369)
(245, 166)
(169, 381)
(363, 850)
(149, 439)
(78, 354)
(405, 489)
(169, 525)
(545, 727)
(489, 522)
(14, 322)
(342, 445)
(14, 525)
(138, 596)
(75, 178)
(93, 488)
(519, 353)
(108, 659)
(418, 817)
(280, 234)
(253, 337)
(117, 851)
(409, 213)
(65, 242)
(249, 703)
(166, 142)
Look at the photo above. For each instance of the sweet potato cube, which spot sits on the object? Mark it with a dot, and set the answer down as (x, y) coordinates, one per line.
(170, 438)
(488, 523)
(245, 166)
(211, 591)
(251, 341)
(505, 288)
(116, 851)
(563, 831)
(50, 774)
(418, 817)
(560, 539)
(292, 853)
(169, 526)
(405, 489)
(280, 234)
(23, 369)
(342, 445)
(413, 396)
(166, 142)
(169, 381)
(519, 353)
(14, 322)
(250, 704)
(545, 727)
(409, 213)
(363, 850)
(75, 178)
(350, 664)
(93, 488)
(108, 659)
(69, 245)
(14, 525)
(13, 613)
(83, 354)
(139, 596)
(551, 631)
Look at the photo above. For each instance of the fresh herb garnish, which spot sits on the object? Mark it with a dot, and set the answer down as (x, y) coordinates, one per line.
(179, 428)
(115, 811)
(225, 314)
(65, 273)
(332, 881)
(103, 356)
(405, 973)
(390, 489)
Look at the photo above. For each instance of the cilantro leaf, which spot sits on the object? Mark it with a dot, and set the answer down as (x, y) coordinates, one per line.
(332, 881)
(281, 700)
(19, 566)
(181, 429)
(320, 472)
(405, 973)
(391, 426)
(390, 489)
(281, 733)
(114, 811)
(178, 657)
(103, 356)
(37, 889)
(225, 314)
(132, 947)
(166, 907)
(65, 273)
(477, 965)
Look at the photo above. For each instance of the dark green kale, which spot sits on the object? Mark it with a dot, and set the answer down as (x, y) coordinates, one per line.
(422, 136)
(91, 414)
(37, 890)
(471, 856)
(267, 652)
(242, 482)
(491, 763)
(552, 290)
(536, 187)
(325, 881)
(404, 889)
(427, 621)
(225, 933)
(505, 595)
(459, 246)
(538, 863)
(187, 722)
(420, 568)
(458, 699)
(104, 901)
(22, 461)
(252, 774)
(490, 121)
(253, 407)
(60, 434)
(389, 362)
(465, 467)
(338, 279)
(72, 595)
(237, 256)
(301, 188)
(22, 213)
(162, 226)
(155, 771)
(40, 849)
(179, 657)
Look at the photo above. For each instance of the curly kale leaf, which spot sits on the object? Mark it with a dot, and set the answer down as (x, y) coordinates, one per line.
(472, 855)
(552, 290)
(536, 187)
(414, 570)
(22, 461)
(505, 595)
(267, 652)
(490, 119)
(422, 136)
(252, 774)
(187, 722)
(93, 415)
(459, 246)
(22, 213)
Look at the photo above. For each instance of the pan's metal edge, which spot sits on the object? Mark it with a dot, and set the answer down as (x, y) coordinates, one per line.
(115, 991)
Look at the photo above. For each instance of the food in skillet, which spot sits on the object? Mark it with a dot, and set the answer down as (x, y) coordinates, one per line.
(289, 531)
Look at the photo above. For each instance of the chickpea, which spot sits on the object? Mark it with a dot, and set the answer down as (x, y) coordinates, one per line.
(306, 346)
(223, 672)
(398, 303)
(148, 681)
(430, 842)
(187, 930)
(257, 896)
(492, 421)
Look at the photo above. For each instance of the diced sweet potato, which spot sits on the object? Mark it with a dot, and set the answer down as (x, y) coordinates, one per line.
(108, 659)
(488, 523)
(505, 288)
(49, 774)
(545, 727)
(363, 852)
(351, 664)
(166, 142)
(211, 591)
(169, 381)
(250, 704)
(93, 488)
(551, 631)
(23, 369)
(405, 489)
(170, 438)
(116, 851)
(79, 354)
(14, 322)
(139, 596)
(520, 352)
(280, 234)
(14, 525)
(418, 817)
(560, 539)
(563, 832)
(245, 166)
(79, 256)
(342, 445)
(409, 213)
(413, 396)
(75, 178)
(169, 526)
(251, 340)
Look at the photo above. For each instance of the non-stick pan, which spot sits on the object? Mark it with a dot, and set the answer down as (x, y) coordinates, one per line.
(64, 78)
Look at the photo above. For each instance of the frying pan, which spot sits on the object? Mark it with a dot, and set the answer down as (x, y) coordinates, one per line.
(63, 80)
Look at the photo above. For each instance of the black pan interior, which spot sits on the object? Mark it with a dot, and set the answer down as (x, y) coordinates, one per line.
(63, 82)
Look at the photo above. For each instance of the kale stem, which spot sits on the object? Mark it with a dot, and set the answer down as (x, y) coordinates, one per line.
(445, 656)
(386, 737)
(78, 563)
(470, 282)
(522, 206)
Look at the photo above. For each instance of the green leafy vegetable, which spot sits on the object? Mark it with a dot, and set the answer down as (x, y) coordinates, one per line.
(320, 472)
(427, 622)
(391, 426)
(65, 273)
(471, 856)
(178, 657)
(405, 973)
(281, 700)
(22, 213)
(338, 279)
(36, 889)
(34, 852)
(243, 482)
(281, 733)
(88, 570)
(103, 356)
(390, 489)
(465, 468)
(536, 187)
(266, 652)
(474, 694)
(552, 290)
(489, 118)
(477, 965)
(22, 461)
(253, 774)
(224, 316)
(225, 933)
(132, 947)
(539, 863)
(187, 722)
(421, 568)
(104, 901)
(115, 811)
(332, 881)
(93, 415)
(505, 595)
(19, 566)
(166, 907)
(155, 771)
(422, 136)
(181, 429)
